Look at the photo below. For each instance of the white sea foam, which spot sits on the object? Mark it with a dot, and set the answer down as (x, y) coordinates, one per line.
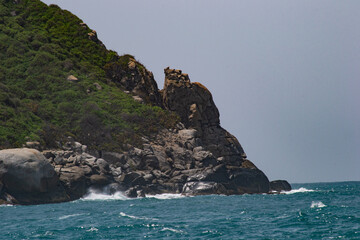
(317, 204)
(94, 195)
(6, 205)
(166, 196)
(135, 217)
(171, 230)
(92, 229)
(300, 190)
(69, 216)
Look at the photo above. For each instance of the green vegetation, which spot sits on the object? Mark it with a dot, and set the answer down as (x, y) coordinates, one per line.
(40, 46)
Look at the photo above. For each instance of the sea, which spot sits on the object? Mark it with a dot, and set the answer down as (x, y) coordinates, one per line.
(309, 211)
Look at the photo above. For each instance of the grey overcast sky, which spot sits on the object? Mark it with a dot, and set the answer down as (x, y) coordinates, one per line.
(285, 75)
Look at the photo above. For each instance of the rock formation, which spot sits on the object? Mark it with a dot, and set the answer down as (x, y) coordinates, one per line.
(197, 157)
(27, 177)
(136, 79)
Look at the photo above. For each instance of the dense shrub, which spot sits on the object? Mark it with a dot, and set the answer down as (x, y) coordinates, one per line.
(39, 48)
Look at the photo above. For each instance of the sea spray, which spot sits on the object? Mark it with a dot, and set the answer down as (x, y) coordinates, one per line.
(300, 190)
(94, 194)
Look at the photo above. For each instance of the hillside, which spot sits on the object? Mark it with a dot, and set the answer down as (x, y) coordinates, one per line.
(40, 47)
(76, 116)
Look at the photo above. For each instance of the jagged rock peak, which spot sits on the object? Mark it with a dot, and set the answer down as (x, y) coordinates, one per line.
(191, 101)
(134, 78)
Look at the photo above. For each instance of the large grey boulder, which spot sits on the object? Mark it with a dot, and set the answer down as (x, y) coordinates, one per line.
(29, 178)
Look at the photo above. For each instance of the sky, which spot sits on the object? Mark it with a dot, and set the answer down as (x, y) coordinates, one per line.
(285, 75)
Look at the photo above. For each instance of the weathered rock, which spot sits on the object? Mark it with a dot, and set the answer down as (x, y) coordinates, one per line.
(194, 104)
(74, 181)
(93, 36)
(29, 178)
(34, 144)
(192, 101)
(98, 86)
(280, 185)
(244, 180)
(128, 178)
(139, 82)
(103, 165)
(72, 78)
(134, 192)
(99, 180)
(203, 188)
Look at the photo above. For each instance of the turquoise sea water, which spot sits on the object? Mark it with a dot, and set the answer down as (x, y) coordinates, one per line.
(310, 211)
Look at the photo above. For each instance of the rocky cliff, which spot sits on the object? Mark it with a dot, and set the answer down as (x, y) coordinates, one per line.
(88, 118)
(195, 157)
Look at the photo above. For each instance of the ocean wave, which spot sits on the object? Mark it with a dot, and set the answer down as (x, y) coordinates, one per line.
(171, 230)
(135, 217)
(94, 195)
(300, 190)
(6, 205)
(166, 196)
(69, 216)
(92, 229)
(317, 204)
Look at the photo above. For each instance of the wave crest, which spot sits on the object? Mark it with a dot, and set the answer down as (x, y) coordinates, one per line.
(95, 195)
(317, 204)
(166, 196)
(300, 190)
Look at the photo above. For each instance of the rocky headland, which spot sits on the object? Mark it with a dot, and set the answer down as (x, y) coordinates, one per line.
(75, 116)
(196, 157)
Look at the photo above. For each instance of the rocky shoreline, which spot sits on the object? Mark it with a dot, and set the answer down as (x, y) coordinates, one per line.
(197, 157)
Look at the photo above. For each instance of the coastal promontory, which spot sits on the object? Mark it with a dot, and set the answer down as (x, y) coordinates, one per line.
(76, 116)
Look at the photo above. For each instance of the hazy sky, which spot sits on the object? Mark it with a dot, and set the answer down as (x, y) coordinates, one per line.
(285, 75)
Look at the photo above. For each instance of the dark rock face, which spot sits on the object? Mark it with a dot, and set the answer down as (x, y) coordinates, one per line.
(191, 101)
(280, 185)
(194, 104)
(28, 178)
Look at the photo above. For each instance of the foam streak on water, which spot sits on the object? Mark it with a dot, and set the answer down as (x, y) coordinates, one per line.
(135, 217)
(69, 216)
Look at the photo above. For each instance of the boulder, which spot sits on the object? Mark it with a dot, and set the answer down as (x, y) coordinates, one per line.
(203, 188)
(72, 78)
(280, 185)
(103, 165)
(29, 177)
(74, 181)
(99, 180)
(245, 180)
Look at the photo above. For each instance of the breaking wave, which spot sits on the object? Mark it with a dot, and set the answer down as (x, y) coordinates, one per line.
(95, 195)
(300, 190)
(317, 204)
(6, 205)
(166, 196)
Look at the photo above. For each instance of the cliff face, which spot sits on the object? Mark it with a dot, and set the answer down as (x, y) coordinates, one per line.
(139, 139)
(198, 156)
